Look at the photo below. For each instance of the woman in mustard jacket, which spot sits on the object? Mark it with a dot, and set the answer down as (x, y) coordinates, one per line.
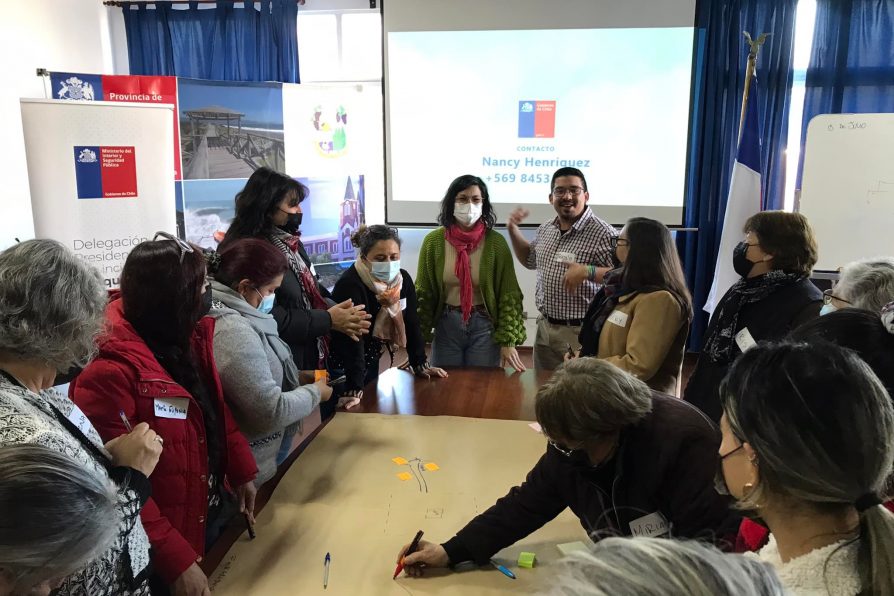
(639, 320)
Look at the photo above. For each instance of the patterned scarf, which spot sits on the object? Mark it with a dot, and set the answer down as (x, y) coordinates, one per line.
(389, 324)
(289, 245)
(600, 308)
(465, 243)
(719, 344)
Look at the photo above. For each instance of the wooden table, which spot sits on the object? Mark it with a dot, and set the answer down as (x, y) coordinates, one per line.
(472, 392)
(492, 393)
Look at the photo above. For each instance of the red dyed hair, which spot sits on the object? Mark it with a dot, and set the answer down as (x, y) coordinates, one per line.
(253, 259)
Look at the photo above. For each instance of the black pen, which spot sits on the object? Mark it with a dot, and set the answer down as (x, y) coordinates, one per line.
(249, 527)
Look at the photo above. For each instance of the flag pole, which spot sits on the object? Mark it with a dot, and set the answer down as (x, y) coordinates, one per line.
(755, 46)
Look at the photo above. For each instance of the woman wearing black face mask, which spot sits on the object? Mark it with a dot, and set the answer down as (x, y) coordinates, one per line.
(269, 208)
(773, 297)
(156, 365)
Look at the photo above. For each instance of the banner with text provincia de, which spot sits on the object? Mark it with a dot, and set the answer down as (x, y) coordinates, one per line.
(100, 176)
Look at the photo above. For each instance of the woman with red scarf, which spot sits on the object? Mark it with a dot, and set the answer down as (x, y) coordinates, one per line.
(470, 305)
(269, 208)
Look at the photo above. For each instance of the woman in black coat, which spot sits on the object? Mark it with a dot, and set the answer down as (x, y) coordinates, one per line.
(377, 281)
(774, 296)
(269, 208)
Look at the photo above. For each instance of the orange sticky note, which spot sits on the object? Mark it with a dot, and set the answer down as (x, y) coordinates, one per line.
(404, 475)
(399, 461)
(432, 467)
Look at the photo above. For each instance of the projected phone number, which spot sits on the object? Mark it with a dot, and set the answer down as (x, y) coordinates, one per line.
(524, 178)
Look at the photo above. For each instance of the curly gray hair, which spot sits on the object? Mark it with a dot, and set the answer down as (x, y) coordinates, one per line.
(661, 567)
(51, 304)
(867, 283)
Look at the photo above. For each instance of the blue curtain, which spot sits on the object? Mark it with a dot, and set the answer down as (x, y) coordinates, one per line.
(224, 43)
(719, 80)
(851, 65)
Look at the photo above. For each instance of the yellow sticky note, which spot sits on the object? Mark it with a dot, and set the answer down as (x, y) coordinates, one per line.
(432, 467)
(399, 461)
(404, 475)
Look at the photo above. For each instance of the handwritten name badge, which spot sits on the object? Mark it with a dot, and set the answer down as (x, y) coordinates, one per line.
(744, 340)
(650, 526)
(80, 420)
(171, 407)
(566, 257)
(403, 304)
(618, 318)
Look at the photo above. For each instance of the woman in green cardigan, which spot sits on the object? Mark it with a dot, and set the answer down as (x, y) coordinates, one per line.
(470, 305)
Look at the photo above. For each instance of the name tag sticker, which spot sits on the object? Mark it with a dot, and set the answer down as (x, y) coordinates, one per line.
(618, 318)
(171, 407)
(313, 270)
(403, 304)
(79, 419)
(650, 526)
(744, 340)
(566, 257)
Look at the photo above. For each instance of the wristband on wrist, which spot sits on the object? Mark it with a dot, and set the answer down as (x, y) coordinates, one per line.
(591, 272)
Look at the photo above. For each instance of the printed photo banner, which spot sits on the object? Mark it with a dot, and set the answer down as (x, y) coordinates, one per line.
(120, 88)
(327, 136)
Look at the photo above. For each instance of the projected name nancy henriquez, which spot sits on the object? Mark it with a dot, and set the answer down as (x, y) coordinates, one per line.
(528, 176)
(106, 254)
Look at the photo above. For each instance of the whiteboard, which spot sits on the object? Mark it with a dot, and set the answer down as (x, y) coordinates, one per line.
(847, 191)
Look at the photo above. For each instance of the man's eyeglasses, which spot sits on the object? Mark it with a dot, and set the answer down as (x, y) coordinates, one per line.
(574, 191)
(828, 296)
(184, 246)
(616, 242)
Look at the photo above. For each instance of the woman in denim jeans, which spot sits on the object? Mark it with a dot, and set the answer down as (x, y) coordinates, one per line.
(470, 305)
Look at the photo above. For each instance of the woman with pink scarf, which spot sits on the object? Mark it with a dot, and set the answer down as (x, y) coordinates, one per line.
(377, 280)
(470, 305)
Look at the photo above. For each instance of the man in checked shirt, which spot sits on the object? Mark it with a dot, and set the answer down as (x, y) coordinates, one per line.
(571, 253)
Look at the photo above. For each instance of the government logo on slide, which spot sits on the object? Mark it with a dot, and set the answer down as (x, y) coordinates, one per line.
(105, 172)
(536, 119)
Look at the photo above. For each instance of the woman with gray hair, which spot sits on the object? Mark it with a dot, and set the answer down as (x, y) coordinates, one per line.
(866, 284)
(626, 460)
(807, 446)
(41, 492)
(655, 567)
(51, 309)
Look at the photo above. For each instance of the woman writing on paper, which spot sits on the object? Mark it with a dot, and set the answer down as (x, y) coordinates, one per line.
(466, 284)
(377, 281)
(639, 319)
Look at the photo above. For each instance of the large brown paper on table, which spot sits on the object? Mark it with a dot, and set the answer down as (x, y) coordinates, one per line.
(343, 496)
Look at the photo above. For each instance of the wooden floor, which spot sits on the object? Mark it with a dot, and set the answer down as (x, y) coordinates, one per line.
(223, 164)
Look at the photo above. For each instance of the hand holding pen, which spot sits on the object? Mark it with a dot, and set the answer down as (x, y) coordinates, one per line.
(139, 449)
(427, 554)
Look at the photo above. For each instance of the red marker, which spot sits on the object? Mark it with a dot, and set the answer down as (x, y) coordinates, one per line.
(412, 549)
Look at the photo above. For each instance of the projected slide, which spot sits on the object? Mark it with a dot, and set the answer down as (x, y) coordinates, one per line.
(513, 106)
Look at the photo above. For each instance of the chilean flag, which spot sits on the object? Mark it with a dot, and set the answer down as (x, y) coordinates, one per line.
(744, 200)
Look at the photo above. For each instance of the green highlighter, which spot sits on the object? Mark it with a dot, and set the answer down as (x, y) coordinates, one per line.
(526, 560)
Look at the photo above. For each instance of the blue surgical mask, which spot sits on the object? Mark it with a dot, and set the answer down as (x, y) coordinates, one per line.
(266, 305)
(827, 308)
(385, 271)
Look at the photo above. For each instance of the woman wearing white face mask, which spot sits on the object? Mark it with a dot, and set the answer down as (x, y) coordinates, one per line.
(258, 374)
(388, 293)
(470, 305)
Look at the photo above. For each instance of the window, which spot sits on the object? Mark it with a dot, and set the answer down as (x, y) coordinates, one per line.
(343, 45)
(804, 24)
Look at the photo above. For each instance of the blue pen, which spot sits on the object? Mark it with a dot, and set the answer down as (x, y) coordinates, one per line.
(502, 569)
(326, 563)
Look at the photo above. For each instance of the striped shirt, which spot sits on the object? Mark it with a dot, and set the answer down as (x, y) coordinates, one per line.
(589, 240)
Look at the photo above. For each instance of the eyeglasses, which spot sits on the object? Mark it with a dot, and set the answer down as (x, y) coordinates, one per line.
(616, 242)
(574, 191)
(828, 296)
(184, 246)
(563, 450)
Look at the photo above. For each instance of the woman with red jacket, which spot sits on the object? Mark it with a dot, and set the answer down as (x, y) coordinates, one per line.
(155, 365)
